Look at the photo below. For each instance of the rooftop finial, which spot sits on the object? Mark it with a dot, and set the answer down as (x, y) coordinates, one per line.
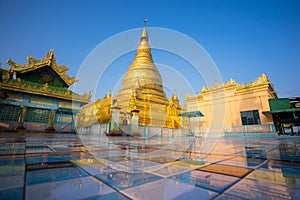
(144, 43)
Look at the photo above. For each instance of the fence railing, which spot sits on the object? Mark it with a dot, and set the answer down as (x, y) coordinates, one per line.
(169, 132)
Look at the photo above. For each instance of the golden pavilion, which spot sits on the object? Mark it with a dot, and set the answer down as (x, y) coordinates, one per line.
(142, 90)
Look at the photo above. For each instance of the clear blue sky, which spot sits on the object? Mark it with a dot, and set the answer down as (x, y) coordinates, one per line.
(244, 38)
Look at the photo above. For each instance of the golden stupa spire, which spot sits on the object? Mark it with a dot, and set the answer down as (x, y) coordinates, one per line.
(142, 82)
(144, 32)
(143, 55)
(144, 42)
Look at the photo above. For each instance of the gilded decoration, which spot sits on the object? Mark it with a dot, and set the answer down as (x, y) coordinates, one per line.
(141, 90)
(48, 60)
(261, 82)
(173, 111)
(43, 89)
(20, 85)
(98, 112)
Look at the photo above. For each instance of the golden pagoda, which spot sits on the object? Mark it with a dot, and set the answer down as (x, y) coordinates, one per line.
(142, 87)
(142, 90)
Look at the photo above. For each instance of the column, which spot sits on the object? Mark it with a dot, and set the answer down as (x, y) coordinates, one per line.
(114, 124)
(21, 118)
(51, 122)
(134, 125)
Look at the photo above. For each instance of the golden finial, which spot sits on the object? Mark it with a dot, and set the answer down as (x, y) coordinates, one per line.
(108, 94)
(144, 43)
(174, 94)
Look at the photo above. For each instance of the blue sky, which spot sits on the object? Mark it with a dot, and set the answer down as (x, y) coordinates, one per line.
(244, 38)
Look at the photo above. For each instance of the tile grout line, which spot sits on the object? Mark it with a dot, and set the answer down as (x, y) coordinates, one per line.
(116, 190)
(241, 178)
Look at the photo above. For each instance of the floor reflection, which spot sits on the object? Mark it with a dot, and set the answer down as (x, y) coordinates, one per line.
(61, 166)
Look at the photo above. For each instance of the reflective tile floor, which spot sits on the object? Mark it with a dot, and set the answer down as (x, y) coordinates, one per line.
(92, 166)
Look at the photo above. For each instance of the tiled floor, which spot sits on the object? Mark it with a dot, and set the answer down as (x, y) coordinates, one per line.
(92, 166)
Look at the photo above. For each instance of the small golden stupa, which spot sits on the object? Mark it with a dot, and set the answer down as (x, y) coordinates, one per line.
(141, 90)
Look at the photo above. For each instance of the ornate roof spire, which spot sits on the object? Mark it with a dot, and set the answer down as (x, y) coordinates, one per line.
(48, 60)
(143, 55)
(144, 42)
(145, 33)
(108, 94)
(175, 95)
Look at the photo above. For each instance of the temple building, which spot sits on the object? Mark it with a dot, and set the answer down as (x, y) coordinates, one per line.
(36, 96)
(142, 91)
(228, 106)
(240, 104)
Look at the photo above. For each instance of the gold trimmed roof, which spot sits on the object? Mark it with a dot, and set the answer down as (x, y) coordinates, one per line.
(49, 60)
(261, 82)
(23, 86)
